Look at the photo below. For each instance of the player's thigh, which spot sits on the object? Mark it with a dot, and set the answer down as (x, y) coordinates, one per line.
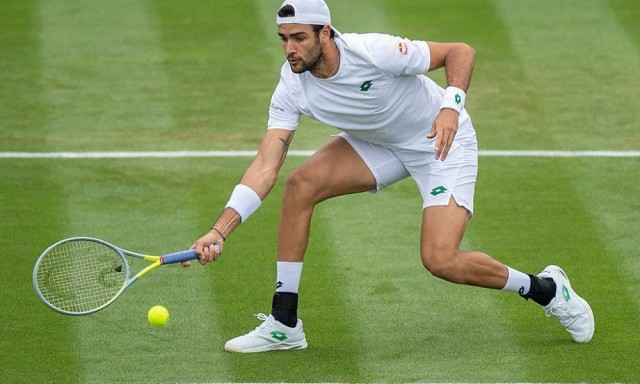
(439, 181)
(347, 165)
(383, 164)
(335, 169)
(447, 189)
(443, 228)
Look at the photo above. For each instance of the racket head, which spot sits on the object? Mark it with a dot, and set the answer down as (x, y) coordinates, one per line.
(80, 275)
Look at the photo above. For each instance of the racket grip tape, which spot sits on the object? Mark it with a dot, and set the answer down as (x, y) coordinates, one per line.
(178, 257)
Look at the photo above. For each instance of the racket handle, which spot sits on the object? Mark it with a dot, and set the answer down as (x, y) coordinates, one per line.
(178, 257)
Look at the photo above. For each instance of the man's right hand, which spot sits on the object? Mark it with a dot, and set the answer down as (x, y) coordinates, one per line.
(208, 247)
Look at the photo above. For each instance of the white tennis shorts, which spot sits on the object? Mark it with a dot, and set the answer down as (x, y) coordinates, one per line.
(437, 180)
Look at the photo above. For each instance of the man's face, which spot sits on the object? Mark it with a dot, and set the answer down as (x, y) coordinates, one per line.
(301, 46)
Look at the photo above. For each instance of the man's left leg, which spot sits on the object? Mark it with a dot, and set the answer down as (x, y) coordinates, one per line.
(442, 230)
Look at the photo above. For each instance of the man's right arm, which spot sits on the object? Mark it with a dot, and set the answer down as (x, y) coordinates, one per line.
(259, 178)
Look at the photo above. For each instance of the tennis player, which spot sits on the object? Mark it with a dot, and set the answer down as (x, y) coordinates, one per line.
(395, 123)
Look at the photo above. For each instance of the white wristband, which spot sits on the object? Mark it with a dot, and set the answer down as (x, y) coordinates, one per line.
(244, 200)
(453, 98)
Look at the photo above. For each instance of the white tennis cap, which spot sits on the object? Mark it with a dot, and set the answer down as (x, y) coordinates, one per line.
(313, 12)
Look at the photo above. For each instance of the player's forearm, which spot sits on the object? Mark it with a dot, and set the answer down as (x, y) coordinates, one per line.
(226, 223)
(263, 172)
(458, 65)
(246, 198)
(256, 182)
(260, 178)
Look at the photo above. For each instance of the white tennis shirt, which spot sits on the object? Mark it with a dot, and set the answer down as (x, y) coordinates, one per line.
(379, 94)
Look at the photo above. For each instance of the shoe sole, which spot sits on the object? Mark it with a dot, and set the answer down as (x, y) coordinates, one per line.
(580, 299)
(302, 344)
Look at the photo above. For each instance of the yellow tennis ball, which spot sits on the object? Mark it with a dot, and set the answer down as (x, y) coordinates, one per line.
(158, 316)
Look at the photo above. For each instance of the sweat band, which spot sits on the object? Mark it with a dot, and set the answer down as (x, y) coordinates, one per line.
(453, 98)
(244, 200)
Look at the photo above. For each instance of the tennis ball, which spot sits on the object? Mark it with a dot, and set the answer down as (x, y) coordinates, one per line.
(158, 316)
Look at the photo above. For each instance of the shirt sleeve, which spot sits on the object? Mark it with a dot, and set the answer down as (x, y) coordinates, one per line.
(399, 56)
(283, 113)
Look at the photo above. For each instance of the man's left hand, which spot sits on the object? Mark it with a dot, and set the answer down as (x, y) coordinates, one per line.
(444, 129)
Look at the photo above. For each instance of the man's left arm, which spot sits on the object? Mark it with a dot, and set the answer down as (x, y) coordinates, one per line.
(457, 59)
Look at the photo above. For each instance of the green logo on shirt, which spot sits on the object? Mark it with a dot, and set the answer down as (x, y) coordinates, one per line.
(366, 85)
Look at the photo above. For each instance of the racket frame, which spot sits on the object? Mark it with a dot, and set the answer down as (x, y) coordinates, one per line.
(155, 261)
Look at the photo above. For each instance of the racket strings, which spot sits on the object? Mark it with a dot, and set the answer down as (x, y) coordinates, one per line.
(81, 276)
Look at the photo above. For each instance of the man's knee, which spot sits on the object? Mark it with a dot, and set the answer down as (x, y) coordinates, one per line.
(301, 185)
(440, 262)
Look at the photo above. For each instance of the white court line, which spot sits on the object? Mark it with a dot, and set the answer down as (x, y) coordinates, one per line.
(560, 153)
(185, 154)
(134, 154)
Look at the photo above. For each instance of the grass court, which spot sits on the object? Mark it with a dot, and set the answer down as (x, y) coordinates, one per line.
(83, 76)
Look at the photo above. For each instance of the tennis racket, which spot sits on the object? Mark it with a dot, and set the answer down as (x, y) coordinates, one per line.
(82, 275)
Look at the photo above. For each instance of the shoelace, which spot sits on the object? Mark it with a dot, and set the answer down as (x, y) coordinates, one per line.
(265, 323)
(561, 312)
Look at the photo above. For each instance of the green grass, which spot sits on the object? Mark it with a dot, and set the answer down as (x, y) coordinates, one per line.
(194, 75)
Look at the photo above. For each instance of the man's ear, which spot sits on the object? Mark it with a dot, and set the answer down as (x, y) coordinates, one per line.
(325, 34)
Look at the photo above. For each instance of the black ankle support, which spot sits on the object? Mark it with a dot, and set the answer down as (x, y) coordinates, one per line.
(542, 291)
(284, 308)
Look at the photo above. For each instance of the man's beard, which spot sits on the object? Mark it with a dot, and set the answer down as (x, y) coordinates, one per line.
(310, 66)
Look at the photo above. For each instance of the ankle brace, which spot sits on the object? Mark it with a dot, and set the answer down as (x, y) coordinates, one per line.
(284, 308)
(542, 291)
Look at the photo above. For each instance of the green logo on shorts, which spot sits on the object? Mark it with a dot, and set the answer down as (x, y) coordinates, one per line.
(438, 190)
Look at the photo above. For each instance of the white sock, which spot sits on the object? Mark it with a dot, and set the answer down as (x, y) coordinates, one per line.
(517, 282)
(288, 275)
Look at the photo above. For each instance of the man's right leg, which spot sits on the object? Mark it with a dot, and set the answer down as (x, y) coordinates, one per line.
(334, 170)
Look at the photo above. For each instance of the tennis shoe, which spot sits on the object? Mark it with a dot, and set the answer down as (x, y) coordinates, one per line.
(271, 335)
(573, 312)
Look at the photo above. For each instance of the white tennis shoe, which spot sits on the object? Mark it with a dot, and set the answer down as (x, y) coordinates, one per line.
(573, 312)
(271, 335)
